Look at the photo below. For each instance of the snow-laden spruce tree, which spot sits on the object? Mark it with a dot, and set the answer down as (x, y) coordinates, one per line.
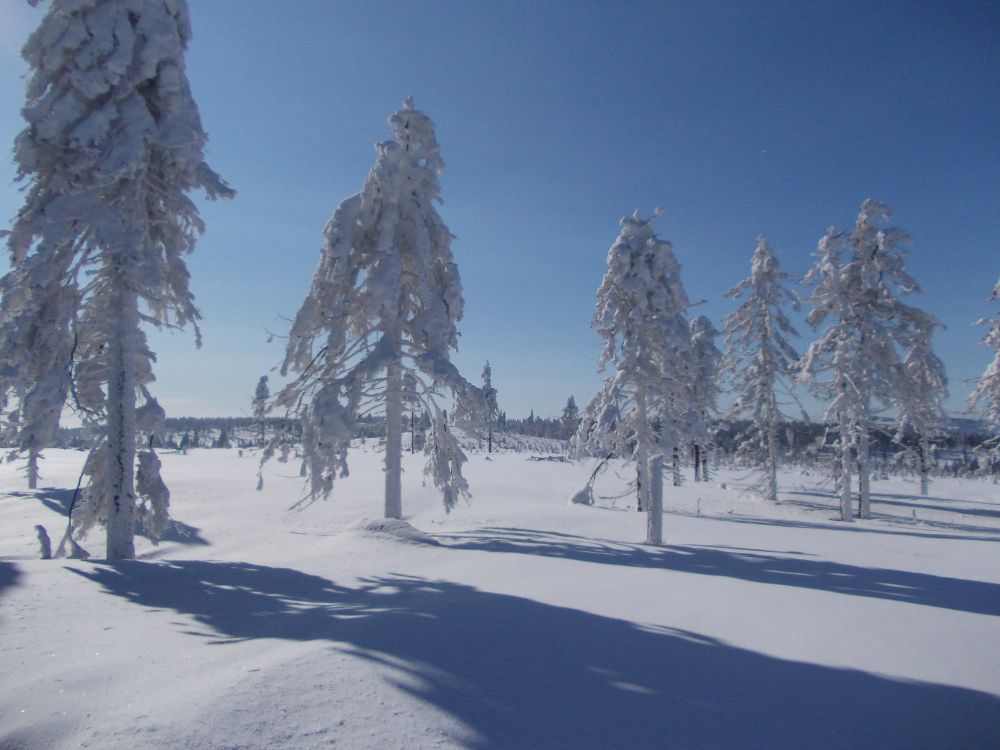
(706, 360)
(491, 408)
(384, 301)
(920, 404)
(987, 390)
(759, 359)
(641, 317)
(260, 396)
(570, 419)
(112, 146)
(868, 332)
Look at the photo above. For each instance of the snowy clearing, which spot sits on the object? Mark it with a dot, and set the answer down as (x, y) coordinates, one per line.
(517, 621)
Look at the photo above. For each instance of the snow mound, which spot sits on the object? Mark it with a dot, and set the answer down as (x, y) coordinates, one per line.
(391, 528)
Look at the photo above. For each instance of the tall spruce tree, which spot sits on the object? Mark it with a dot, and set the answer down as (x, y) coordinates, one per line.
(704, 385)
(759, 359)
(641, 317)
(261, 395)
(868, 332)
(112, 146)
(492, 410)
(987, 390)
(384, 301)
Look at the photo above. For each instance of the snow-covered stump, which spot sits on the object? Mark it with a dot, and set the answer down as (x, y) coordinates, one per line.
(32, 469)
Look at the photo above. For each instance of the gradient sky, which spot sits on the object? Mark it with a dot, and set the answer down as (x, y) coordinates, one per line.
(557, 118)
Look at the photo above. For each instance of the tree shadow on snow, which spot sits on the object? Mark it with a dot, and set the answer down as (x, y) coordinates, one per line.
(10, 576)
(59, 500)
(779, 569)
(522, 674)
(962, 531)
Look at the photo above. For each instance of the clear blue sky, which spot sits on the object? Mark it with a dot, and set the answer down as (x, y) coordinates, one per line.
(557, 118)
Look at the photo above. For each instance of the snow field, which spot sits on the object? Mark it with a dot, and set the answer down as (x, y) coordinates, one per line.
(516, 621)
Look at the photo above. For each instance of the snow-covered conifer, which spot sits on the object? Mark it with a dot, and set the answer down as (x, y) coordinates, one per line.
(384, 301)
(759, 358)
(706, 360)
(260, 396)
(112, 147)
(868, 332)
(570, 419)
(492, 410)
(987, 390)
(641, 317)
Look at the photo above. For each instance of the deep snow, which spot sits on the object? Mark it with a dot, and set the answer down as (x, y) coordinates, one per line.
(517, 621)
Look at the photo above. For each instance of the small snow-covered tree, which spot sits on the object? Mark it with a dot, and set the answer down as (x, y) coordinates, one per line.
(260, 396)
(759, 358)
(920, 407)
(869, 330)
(987, 390)
(641, 317)
(112, 147)
(492, 410)
(384, 301)
(570, 419)
(706, 359)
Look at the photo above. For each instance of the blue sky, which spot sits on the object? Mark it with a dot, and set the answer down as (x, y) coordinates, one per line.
(557, 118)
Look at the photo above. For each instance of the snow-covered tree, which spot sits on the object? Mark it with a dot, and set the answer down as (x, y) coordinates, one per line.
(260, 396)
(641, 317)
(384, 301)
(112, 147)
(759, 358)
(868, 332)
(920, 407)
(705, 360)
(492, 410)
(987, 390)
(570, 419)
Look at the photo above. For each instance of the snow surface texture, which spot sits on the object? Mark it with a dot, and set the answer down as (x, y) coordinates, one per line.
(513, 622)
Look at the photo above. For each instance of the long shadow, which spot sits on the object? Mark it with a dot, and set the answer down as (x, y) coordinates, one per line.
(523, 674)
(59, 500)
(983, 533)
(10, 576)
(962, 531)
(800, 571)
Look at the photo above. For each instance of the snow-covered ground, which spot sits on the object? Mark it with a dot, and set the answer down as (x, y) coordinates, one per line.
(519, 621)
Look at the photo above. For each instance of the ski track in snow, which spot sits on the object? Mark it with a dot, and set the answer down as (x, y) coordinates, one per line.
(517, 621)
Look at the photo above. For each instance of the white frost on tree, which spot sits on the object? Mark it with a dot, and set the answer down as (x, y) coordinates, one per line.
(112, 146)
(641, 317)
(491, 408)
(260, 396)
(987, 390)
(759, 359)
(384, 302)
(706, 360)
(868, 333)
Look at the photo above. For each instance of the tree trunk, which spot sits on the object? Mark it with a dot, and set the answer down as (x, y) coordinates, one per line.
(677, 468)
(489, 439)
(864, 475)
(705, 454)
(844, 447)
(654, 518)
(641, 454)
(393, 441)
(924, 466)
(32, 469)
(697, 462)
(121, 422)
(771, 479)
